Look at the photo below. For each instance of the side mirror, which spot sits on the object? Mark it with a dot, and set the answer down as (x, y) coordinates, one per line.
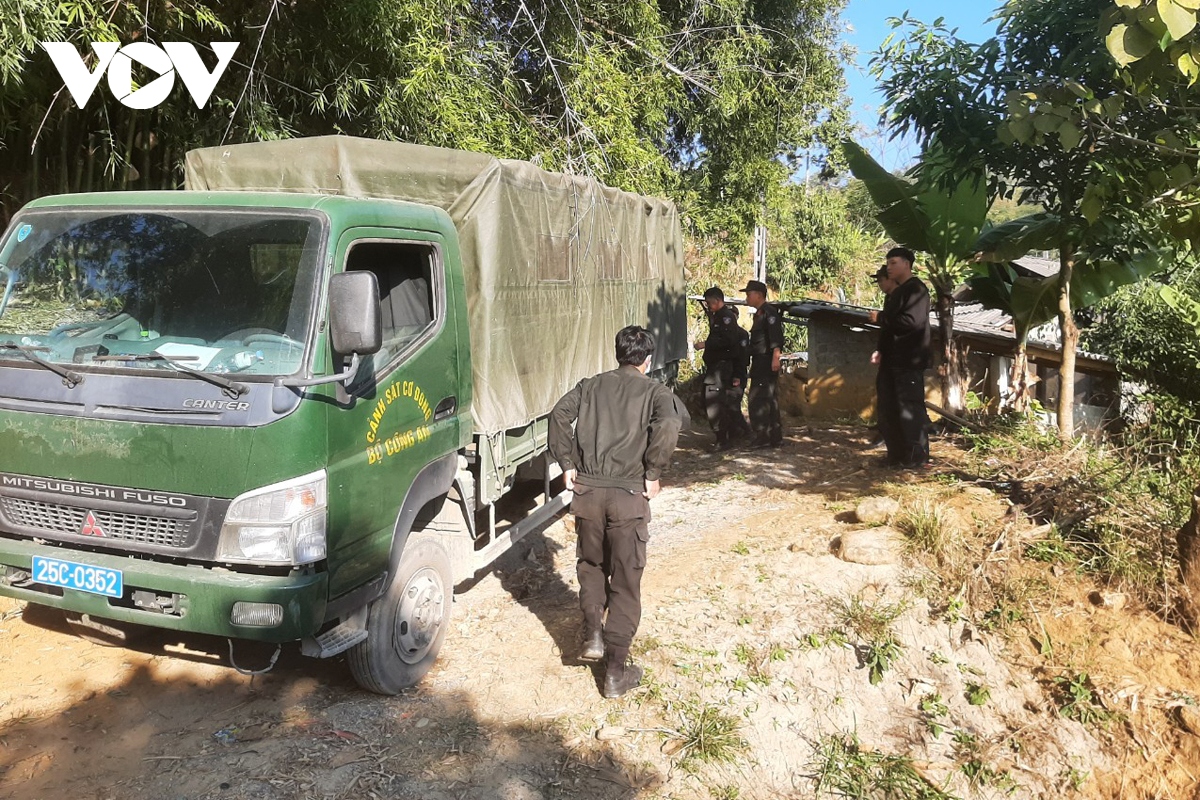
(354, 313)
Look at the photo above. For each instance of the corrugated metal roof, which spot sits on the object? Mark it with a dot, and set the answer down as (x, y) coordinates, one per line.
(1039, 266)
(969, 318)
(976, 314)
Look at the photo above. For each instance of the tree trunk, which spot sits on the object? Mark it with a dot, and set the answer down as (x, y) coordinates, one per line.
(1188, 540)
(950, 371)
(1019, 379)
(1070, 339)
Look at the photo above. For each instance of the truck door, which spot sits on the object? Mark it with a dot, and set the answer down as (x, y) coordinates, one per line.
(400, 412)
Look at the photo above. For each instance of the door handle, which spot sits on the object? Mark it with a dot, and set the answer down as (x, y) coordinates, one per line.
(445, 408)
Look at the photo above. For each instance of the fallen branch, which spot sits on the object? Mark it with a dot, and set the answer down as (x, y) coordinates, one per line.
(957, 420)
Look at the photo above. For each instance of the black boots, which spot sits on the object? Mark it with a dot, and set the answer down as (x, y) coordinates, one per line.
(620, 674)
(593, 634)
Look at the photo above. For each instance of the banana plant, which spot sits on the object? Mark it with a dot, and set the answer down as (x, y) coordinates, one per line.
(939, 219)
(1034, 301)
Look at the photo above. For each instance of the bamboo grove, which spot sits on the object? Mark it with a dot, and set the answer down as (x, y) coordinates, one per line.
(706, 102)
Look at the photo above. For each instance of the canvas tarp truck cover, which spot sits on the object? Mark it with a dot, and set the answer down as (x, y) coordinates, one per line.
(555, 264)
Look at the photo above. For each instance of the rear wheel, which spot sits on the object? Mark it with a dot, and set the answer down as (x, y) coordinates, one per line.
(406, 626)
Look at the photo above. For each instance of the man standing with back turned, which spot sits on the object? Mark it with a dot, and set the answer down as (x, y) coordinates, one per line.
(625, 429)
(903, 356)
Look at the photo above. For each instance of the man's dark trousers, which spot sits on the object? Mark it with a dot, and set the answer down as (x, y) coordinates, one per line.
(722, 401)
(612, 526)
(903, 420)
(764, 402)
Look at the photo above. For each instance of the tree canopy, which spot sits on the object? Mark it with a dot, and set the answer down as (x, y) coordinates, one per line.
(706, 102)
(1045, 111)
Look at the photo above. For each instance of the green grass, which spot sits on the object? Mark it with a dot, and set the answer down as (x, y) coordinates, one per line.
(757, 661)
(872, 622)
(1075, 778)
(969, 752)
(744, 654)
(978, 694)
(1013, 437)
(1110, 501)
(980, 774)
(999, 617)
(707, 735)
(927, 527)
(879, 657)
(815, 641)
(1077, 700)
(1014, 596)
(934, 710)
(646, 644)
(841, 767)
(1051, 550)
(651, 690)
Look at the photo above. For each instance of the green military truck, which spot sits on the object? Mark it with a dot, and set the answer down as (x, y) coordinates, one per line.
(282, 404)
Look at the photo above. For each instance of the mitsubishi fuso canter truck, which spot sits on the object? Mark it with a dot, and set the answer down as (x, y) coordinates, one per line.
(282, 404)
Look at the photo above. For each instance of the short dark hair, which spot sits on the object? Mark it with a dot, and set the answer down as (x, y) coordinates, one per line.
(714, 292)
(903, 252)
(634, 343)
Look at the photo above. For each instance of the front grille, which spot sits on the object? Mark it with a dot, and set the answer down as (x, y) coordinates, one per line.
(58, 518)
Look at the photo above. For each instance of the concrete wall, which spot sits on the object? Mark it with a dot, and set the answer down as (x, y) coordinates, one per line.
(841, 377)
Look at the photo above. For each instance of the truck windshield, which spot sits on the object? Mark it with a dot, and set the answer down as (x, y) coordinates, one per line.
(217, 290)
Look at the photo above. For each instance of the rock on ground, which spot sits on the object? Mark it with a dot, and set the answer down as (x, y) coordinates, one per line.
(876, 510)
(871, 546)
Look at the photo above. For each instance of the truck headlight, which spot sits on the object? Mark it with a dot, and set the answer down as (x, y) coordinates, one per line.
(283, 523)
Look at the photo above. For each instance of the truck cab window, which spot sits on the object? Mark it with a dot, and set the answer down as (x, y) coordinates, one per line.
(407, 308)
(220, 290)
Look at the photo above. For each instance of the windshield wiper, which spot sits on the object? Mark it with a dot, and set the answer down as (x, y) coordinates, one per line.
(70, 379)
(231, 389)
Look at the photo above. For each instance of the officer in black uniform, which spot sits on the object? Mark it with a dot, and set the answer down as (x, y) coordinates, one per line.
(766, 349)
(903, 356)
(726, 356)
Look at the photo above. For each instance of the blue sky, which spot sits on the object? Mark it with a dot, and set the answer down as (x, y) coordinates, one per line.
(867, 27)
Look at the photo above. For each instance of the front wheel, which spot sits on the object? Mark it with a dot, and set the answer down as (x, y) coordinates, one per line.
(406, 626)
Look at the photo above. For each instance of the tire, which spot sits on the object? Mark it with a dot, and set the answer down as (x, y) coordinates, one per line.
(407, 625)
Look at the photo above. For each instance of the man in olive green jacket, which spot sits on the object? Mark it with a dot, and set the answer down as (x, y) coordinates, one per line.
(613, 434)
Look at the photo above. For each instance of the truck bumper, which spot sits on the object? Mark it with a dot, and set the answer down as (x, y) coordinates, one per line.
(203, 598)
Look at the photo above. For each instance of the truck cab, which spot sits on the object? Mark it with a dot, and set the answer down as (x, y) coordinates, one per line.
(163, 460)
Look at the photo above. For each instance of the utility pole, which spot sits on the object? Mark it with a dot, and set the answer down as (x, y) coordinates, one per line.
(760, 253)
(760, 231)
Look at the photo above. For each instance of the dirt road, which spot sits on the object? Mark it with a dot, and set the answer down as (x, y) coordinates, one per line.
(753, 674)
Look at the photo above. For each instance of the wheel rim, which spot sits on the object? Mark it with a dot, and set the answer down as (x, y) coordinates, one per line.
(420, 615)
